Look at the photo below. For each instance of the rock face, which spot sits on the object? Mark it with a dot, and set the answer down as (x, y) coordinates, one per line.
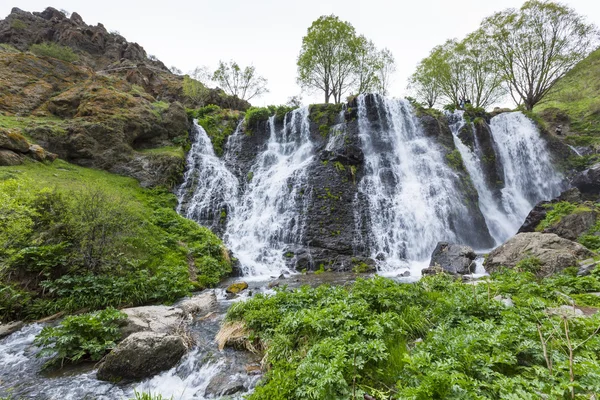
(14, 148)
(574, 225)
(453, 258)
(554, 252)
(157, 319)
(142, 355)
(588, 182)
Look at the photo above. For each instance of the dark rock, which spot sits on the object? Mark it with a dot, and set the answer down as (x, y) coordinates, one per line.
(14, 141)
(142, 355)
(453, 258)
(586, 267)
(224, 385)
(588, 181)
(573, 225)
(9, 158)
(535, 216)
(554, 253)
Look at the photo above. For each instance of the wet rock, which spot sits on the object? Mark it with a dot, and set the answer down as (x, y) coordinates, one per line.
(9, 158)
(157, 319)
(9, 328)
(142, 355)
(237, 287)
(202, 303)
(535, 216)
(588, 181)
(453, 258)
(224, 385)
(554, 252)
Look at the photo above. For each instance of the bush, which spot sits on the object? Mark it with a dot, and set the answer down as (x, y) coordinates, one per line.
(437, 338)
(81, 337)
(254, 115)
(50, 49)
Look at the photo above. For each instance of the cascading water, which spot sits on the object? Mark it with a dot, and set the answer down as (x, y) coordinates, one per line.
(528, 174)
(271, 212)
(209, 190)
(410, 191)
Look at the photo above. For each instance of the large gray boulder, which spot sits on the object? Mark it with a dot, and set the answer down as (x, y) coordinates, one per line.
(157, 319)
(142, 355)
(588, 181)
(555, 253)
(202, 303)
(453, 258)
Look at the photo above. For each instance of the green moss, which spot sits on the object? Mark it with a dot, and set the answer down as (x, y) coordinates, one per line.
(173, 151)
(18, 24)
(455, 160)
(54, 50)
(557, 212)
(324, 115)
(218, 123)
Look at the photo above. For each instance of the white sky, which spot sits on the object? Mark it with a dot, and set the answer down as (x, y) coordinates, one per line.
(268, 33)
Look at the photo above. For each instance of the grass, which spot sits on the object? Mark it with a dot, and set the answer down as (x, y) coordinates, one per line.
(577, 95)
(174, 151)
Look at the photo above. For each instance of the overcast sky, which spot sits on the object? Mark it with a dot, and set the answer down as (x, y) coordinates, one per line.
(268, 33)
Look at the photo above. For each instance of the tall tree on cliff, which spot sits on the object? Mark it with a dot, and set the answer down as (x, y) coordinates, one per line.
(537, 45)
(244, 83)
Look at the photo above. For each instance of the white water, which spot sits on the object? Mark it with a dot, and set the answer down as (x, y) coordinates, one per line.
(212, 186)
(500, 225)
(270, 213)
(529, 175)
(409, 188)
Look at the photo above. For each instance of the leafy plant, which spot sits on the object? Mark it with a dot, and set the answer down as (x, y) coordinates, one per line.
(54, 50)
(149, 396)
(81, 337)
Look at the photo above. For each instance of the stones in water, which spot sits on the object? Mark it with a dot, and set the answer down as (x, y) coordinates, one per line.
(453, 258)
(553, 252)
(157, 319)
(9, 328)
(141, 355)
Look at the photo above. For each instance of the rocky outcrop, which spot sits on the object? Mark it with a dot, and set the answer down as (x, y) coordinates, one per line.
(573, 225)
(453, 258)
(588, 182)
(553, 252)
(142, 355)
(224, 385)
(14, 148)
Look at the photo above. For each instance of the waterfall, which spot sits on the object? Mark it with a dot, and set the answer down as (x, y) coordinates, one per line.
(209, 189)
(500, 225)
(410, 191)
(271, 212)
(529, 175)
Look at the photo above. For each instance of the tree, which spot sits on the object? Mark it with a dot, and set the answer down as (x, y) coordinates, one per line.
(195, 91)
(536, 45)
(244, 83)
(327, 59)
(368, 64)
(424, 83)
(387, 67)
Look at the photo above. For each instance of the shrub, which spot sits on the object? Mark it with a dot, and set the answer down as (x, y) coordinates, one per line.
(254, 115)
(50, 49)
(81, 337)
(18, 24)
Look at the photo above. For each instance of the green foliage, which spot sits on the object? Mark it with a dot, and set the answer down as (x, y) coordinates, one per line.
(437, 338)
(455, 160)
(557, 212)
(254, 115)
(591, 238)
(18, 24)
(73, 238)
(195, 91)
(149, 396)
(54, 50)
(243, 83)
(81, 337)
(218, 123)
(529, 264)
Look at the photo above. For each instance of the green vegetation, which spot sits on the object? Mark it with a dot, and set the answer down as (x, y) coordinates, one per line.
(557, 212)
(174, 151)
(325, 115)
(18, 24)
(73, 238)
(195, 91)
(81, 337)
(218, 123)
(576, 100)
(54, 50)
(243, 83)
(591, 238)
(435, 339)
(455, 160)
(149, 396)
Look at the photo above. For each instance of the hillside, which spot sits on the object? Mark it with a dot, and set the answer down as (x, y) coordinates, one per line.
(573, 108)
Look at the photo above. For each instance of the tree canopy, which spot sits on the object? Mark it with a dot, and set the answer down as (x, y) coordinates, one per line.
(336, 60)
(244, 83)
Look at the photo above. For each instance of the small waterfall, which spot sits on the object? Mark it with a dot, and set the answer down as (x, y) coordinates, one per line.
(209, 189)
(529, 175)
(411, 192)
(271, 212)
(501, 226)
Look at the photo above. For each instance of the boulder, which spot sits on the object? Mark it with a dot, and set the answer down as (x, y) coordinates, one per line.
(453, 258)
(573, 225)
(588, 181)
(202, 303)
(237, 287)
(9, 158)
(11, 140)
(9, 328)
(555, 253)
(535, 216)
(586, 267)
(142, 355)
(156, 319)
(224, 384)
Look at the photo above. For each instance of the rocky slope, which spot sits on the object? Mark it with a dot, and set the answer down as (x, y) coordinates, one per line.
(110, 106)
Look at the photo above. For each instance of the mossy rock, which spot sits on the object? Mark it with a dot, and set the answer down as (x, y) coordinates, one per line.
(237, 287)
